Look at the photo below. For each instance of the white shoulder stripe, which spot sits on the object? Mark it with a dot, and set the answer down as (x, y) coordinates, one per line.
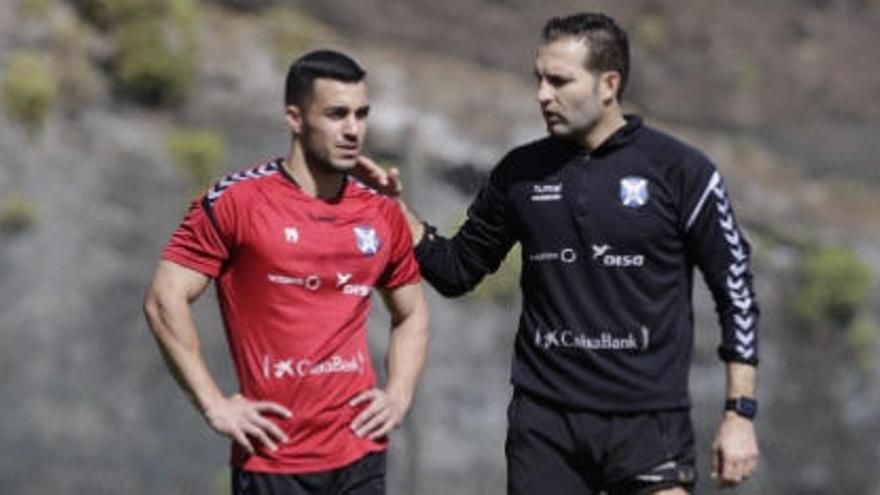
(223, 184)
(361, 185)
(713, 182)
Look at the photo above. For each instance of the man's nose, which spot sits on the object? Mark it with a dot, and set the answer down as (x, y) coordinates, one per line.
(545, 93)
(351, 127)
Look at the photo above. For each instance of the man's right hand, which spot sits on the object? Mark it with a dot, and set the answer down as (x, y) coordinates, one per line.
(388, 182)
(240, 419)
(385, 181)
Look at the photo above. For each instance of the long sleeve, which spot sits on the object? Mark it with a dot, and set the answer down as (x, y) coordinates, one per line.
(455, 266)
(717, 246)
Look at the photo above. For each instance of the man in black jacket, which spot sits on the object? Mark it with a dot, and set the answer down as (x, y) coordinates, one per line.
(612, 216)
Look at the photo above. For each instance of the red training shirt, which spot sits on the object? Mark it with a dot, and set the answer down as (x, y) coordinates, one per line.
(294, 275)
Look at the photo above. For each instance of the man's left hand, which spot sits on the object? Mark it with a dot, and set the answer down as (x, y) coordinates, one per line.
(384, 413)
(735, 451)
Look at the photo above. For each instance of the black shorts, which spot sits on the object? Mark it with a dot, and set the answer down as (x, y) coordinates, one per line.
(553, 451)
(365, 476)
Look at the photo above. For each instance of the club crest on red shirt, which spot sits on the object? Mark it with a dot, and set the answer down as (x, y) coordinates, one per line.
(367, 239)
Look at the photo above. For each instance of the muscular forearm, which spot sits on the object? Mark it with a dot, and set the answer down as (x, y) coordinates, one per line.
(407, 351)
(167, 309)
(735, 450)
(175, 332)
(741, 380)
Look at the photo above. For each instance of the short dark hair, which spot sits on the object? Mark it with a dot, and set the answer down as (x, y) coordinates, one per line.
(327, 64)
(607, 42)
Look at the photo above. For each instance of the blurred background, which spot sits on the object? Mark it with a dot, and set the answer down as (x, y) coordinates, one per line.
(115, 113)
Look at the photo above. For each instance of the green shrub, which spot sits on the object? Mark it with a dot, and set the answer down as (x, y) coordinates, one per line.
(291, 33)
(17, 213)
(198, 155)
(107, 14)
(34, 8)
(30, 87)
(79, 80)
(862, 337)
(112, 14)
(183, 13)
(154, 63)
(834, 288)
(154, 45)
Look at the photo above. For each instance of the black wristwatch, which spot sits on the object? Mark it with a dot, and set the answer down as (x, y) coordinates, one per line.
(744, 406)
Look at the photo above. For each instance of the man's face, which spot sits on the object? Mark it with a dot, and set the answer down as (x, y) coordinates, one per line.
(570, 96)
(333, 124)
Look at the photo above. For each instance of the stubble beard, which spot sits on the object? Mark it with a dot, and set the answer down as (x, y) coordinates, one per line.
(323, 164)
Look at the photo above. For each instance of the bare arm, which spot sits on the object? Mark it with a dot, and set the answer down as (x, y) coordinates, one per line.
(408, 347)
(741, 380)
(167, 309)
(407, 351)
(416, 227)
(735, 450)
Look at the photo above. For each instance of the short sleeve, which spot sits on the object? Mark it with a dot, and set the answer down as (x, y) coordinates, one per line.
(402, 268)
(198, 243)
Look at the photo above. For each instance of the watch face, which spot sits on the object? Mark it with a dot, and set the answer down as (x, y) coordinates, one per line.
(745, 407)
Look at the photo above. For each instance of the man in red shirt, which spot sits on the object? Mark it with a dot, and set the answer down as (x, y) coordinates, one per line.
(295, 247)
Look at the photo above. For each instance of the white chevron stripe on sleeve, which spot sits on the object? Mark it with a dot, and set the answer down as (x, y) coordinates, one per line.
(713, 181)
(743, 321)
(746, 352)
(745, 338)
(257, 172)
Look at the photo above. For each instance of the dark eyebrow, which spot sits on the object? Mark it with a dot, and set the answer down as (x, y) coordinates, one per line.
(336, 109)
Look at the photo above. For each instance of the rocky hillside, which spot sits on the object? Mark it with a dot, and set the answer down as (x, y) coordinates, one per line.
(783, 98)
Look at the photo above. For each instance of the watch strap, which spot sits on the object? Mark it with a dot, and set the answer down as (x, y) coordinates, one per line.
(743, 406)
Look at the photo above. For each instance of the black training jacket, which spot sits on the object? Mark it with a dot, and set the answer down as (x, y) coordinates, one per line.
(609, 241)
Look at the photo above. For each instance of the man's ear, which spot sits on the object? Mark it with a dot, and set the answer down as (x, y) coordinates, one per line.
(609, 84)
(294, 118)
